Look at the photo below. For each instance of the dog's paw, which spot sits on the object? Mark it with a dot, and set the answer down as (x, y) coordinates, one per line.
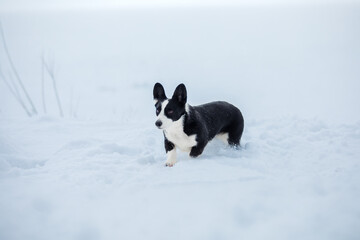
(195, 152)
(168, 164)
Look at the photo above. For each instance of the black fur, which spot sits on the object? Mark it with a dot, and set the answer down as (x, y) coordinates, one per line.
(208, 120)
(168, 145)
(176, 106)
(205, 121)
(159, 92)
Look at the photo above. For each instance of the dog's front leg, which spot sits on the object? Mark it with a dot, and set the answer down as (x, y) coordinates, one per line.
(170, 153)
(197, 150)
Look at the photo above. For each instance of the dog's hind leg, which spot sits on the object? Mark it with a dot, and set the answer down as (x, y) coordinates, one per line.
(235, 132)
(234, 141)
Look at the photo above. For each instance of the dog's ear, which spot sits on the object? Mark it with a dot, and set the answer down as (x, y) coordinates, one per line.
(159, 92)
(180, 94)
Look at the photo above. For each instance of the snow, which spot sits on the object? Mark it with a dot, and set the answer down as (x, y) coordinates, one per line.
(98, 173)
(295, 178)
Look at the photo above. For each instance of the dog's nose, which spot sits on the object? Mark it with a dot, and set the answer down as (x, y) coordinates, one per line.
(158, 123)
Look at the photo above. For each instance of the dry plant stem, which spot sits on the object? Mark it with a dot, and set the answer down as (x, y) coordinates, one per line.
(15, 93)
(43, 84)
(15, 87)
(15, 71)
(51, 73)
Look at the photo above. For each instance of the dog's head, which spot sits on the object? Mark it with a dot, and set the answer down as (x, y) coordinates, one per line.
(168, 111)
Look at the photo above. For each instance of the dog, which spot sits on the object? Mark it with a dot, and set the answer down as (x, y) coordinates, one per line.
(190, 128)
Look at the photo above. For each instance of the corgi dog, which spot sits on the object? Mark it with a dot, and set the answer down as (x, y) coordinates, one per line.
(190, 128)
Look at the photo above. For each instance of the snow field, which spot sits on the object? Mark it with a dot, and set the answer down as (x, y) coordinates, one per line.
(294, 178)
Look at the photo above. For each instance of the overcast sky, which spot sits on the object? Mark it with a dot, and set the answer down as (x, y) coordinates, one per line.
(6, 5)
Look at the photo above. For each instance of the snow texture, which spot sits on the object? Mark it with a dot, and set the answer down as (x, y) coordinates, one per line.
(99, 172)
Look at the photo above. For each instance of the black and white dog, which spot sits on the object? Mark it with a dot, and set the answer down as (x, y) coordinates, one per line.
(191, 128)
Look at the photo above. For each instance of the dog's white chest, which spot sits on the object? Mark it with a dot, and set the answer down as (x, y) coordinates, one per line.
(180, 139)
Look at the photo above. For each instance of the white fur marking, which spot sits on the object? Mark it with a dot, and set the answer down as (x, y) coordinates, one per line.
(223, 137)
(166, 122)
(175, 134)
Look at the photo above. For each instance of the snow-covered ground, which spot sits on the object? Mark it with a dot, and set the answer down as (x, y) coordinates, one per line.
(68, 179)
(98, 172)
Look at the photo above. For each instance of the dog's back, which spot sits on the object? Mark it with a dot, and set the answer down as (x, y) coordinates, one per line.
(217, 118)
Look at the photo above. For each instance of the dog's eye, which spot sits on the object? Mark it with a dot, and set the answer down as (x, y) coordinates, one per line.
(170, 112)
(157, 111)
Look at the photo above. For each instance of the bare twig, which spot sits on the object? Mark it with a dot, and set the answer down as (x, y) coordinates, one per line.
(76, 108)
(15, 71)
(13, 83)
(15, 93)
(71, 102)
(52, 75)
(11, 89)
(43, 83)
